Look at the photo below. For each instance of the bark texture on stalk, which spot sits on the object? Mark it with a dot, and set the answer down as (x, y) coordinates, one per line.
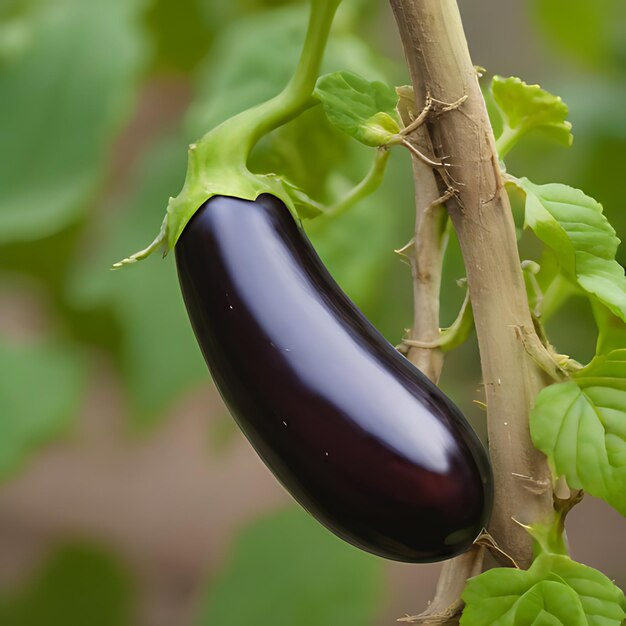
(425, 255)
(425, 252)
(440, 66)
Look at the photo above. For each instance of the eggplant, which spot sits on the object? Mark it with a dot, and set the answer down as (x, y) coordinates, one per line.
(353, 431)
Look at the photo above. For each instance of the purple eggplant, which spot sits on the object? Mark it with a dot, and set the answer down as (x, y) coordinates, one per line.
(354, 432)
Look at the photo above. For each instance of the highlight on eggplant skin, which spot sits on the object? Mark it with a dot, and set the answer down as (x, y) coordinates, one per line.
(357, 435)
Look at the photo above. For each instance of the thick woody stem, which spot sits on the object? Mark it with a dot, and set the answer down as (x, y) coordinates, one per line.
(440, 65)
(425, 257)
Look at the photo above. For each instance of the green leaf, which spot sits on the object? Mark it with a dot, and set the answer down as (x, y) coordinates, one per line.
(491, 598)
(41, 387)
(550, 603)
(158, 355)
(78, 585)
(555, 591)
(64, 95)
(317, 579)
(524, 108)
(580, 425)
(603, 602)
(611, 329)
(573, 225)
(364, 110)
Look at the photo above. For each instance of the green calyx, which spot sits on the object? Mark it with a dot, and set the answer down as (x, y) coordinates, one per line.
(217, 163)
(207, 178)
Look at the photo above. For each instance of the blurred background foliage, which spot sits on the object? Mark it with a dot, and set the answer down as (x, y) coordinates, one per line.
(99, 99)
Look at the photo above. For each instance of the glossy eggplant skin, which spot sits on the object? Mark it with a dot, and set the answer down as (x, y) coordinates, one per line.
(358, 436)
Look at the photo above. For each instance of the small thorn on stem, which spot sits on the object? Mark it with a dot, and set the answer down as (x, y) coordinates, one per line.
(422, 157)
(449, 193)
(407, 249)
(450, 106)
(425, 345)
(486, 539)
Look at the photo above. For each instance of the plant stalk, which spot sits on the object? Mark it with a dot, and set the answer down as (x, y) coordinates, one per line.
(243, 131)
(425, 253)
(425, 256)
(440, 65)
(370, 183)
